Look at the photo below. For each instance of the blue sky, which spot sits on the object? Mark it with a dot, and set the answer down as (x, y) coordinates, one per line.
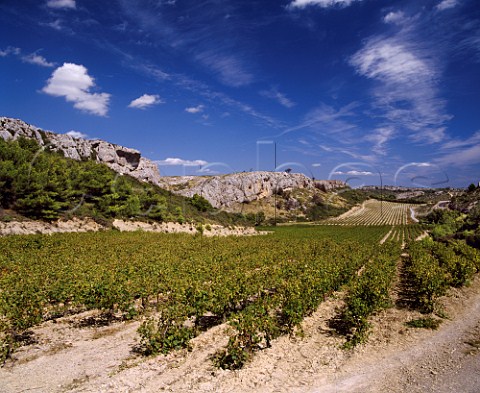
(345, 89)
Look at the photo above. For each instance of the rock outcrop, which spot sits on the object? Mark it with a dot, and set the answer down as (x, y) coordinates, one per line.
(89, 225)
(222, 192)
(229, 190)
(121, 159)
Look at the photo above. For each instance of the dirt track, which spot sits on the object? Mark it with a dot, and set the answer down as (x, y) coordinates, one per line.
(395, 359)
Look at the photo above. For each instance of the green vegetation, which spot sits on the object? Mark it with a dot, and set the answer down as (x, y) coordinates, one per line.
(45, 185)
(200, 203)
(374, 212)
(263, 285)
(425, 323)
(369, 293)
(433, 267)
(178, 285)
(449, 224)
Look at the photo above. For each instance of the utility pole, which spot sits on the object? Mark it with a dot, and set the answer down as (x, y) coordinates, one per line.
(381, 195)
(275, 193)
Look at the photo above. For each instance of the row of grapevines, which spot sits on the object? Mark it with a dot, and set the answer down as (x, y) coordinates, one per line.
(304, 286)
(374, 212)
(368, 293)
(434, 266)
(183, 278)
(412, 232)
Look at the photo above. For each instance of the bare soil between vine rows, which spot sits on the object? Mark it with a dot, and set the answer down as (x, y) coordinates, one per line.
(74, 354)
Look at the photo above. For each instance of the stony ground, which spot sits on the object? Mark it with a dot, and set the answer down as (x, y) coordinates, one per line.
(28, 227)
(76, 354)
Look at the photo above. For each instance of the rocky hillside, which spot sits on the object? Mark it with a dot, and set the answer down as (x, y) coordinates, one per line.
(227, 191)
(292, 193)
(121, 159)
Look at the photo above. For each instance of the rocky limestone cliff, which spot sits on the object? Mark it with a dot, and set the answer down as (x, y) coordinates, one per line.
(226, 191)
(121, 159)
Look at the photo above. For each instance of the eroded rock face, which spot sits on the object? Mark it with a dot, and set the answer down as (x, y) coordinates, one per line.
(223, 191)
(121, 159)
(229, 190)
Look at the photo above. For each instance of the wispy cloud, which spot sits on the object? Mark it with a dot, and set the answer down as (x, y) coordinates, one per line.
(37, 59)
(208, 171)
(10, 50)
(184, 39)
(230, 69)
(276, 95)
(72, 82)
(459, 143)
(321, 3)
(32, 58)
(327, 120)
(398, 64)
(206, 36)
(77, 134)
(146, 101)
(396, 17)
(194, 86)
(461, 157)
(59, 4)
(460, 152)
(181, 162)
(152, 70)
(472, 43)
(354, 173)
(57, 24)
(380, 137)
(195, 109)
(446, 4)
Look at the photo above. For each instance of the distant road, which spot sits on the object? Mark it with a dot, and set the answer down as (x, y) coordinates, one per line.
(441, 205)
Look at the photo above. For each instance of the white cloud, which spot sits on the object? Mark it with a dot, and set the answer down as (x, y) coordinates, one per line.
(33, 58)
(354, 173)
(77, 134)
(207, 171)
(73, 82)
(321, 3)
(391, 62)
(316, 165)
(146, 101)
(380, 137)
(446, 4)
(56, 24)
(180, 161)
(152, 71)
(394, 17)
(195, 109)
(281, 98)
(10, 50)
(407, 94)
(61, 4)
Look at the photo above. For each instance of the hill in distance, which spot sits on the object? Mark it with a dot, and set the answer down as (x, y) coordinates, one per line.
(47, 176)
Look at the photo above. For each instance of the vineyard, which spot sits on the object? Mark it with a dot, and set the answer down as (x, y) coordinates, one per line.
(374, 212)
(404, 234)
(179, 286)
